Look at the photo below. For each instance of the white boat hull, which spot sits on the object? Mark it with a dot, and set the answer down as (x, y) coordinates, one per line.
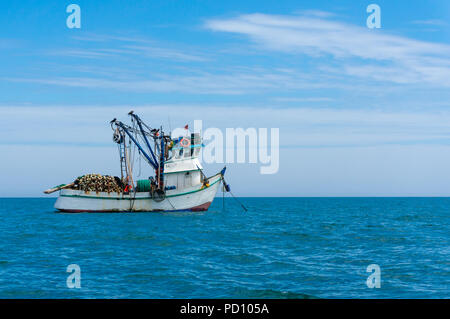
(195, 198)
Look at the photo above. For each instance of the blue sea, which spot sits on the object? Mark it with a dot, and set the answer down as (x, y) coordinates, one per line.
(279, 248)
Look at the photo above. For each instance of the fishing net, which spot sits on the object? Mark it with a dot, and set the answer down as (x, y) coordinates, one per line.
(99, 183)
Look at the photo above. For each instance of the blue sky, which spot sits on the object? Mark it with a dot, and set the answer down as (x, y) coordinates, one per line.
(361, 112)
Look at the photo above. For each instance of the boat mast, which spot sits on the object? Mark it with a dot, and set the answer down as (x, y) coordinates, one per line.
(127, 131)
(157, 158)
(139, 122)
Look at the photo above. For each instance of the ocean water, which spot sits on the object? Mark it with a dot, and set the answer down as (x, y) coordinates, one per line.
(280, 248)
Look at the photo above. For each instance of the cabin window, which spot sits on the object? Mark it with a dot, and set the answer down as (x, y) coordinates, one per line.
(196, 151)
(187, 180)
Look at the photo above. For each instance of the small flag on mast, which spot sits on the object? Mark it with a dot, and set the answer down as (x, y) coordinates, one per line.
(186, 126)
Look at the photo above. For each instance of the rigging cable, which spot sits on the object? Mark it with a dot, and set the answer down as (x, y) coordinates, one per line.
(235, 198)
(223, 195)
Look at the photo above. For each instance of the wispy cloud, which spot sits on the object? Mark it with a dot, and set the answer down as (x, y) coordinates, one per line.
(302, 99)
(431, 22)
(92, 37)
(299, 127)
(339, 56)
(206, 83)
(232, 81)
(316, 13)
(119, 46)
(8, 43)
(150, 51)
(366, 53)
(81, 53)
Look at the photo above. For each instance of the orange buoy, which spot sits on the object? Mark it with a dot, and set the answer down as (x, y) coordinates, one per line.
(185, 142)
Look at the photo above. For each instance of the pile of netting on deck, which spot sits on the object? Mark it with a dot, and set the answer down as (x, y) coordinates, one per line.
(99, 183)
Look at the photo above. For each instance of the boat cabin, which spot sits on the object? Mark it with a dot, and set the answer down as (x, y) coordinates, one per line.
(182, 169)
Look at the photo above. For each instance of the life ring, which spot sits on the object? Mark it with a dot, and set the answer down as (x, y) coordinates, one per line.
(185, 142)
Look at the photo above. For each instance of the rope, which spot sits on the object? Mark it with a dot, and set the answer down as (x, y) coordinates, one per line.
(223, 195)
(235, 198)
(171, 203)
(238, 201)
(132, 201)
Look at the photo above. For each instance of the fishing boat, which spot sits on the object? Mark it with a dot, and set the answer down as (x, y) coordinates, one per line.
(178, 183)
